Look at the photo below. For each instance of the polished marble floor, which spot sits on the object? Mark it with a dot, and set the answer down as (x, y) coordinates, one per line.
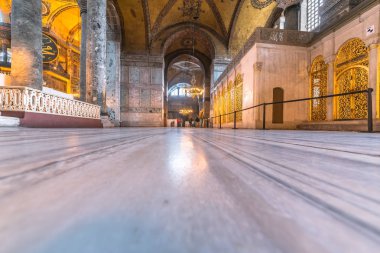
(188, 190)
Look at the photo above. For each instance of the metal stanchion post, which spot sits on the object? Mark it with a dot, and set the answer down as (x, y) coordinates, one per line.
(264, 115)
(369, 108)
(234, 120)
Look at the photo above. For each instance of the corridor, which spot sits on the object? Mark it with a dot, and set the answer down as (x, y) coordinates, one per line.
(188, 190)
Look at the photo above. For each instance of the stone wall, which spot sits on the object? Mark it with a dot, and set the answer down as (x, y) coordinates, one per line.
(141, 91)
(268, 65)
(328, 46)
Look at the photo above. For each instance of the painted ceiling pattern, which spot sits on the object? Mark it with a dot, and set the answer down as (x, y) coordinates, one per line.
(61, 18)
(161, 26)
(148, 23)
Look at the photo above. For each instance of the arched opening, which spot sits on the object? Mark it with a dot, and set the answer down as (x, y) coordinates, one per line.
(184, 108)
(351, 74)
(318, 88)
(278, 109)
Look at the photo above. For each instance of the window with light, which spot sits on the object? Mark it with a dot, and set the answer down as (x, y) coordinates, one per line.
(313, 18)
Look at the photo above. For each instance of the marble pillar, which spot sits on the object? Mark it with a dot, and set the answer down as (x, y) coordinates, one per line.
(113, 81)
(26, 43)
(4, 46)
(206, 98)
(96, 51)
(83, 13)
(165, 115)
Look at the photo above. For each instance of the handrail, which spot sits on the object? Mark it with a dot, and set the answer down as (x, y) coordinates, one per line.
(369, 107)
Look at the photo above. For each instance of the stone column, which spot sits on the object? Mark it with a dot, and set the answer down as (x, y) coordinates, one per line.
(165, 106)
(26, 43)
(83, 14)
(206, 98)
(96, 51)
(4, 46)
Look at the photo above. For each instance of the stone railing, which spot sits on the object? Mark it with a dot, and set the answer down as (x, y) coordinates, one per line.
(282, 37)
(24, 99)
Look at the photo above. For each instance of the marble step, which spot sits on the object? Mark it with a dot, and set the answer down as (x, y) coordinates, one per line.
(9, 121)
(352, 125)
(106, 122)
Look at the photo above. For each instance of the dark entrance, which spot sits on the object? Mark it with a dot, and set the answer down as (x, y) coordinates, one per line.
(278, 109)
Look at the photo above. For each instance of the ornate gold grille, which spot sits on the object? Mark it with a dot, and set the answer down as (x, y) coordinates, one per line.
(318, 87)
(351, 70)
(215, 107)
(230, 103)
(225, 104)
(239, 97)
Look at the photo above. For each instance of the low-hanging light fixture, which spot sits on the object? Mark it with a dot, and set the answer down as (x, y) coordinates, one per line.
(194, 90)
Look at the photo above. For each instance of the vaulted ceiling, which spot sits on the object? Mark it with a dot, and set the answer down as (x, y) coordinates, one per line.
(151, 25)
(164, 26)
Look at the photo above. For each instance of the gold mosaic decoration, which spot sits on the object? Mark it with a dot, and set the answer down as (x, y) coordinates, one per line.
(318, 88)
(351, 70)
(259, 4)
(239, 97)
(229, 101)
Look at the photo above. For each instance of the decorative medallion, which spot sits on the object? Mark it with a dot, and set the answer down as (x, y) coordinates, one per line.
(259, 4)
(188, 42)
(50, 50)
(192, 8)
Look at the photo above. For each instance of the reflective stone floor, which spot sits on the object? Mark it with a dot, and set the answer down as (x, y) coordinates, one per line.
(188, 190)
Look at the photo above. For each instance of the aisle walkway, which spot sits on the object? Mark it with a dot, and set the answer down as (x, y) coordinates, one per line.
(188, 190)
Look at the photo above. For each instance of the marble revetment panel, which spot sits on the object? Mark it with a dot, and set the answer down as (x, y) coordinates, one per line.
(145, 98)
(144, 75)
(134, 97)
(134, 75)
(156, 76)
(156, 98)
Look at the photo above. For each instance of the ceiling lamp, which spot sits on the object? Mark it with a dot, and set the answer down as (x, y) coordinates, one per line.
(194, 90)
(186, 111)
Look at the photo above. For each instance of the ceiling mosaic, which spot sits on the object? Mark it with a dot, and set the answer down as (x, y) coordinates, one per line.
(220, 27)
(149, 23)
(261, 3)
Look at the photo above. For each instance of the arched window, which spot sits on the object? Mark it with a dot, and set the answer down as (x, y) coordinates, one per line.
(351, 74)
(278, 109)
(179, 90)
(318, 88)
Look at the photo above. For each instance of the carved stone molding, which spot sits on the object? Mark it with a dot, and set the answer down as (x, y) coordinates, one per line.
(283, 4)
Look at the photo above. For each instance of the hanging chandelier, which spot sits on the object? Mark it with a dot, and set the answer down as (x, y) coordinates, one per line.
(186, 111)
(194, 90)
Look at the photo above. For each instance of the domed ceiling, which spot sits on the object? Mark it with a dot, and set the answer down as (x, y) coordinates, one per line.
(220, 27)
(227, 24)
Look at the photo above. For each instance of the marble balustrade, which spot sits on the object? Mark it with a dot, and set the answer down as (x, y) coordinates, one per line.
(24, 99)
